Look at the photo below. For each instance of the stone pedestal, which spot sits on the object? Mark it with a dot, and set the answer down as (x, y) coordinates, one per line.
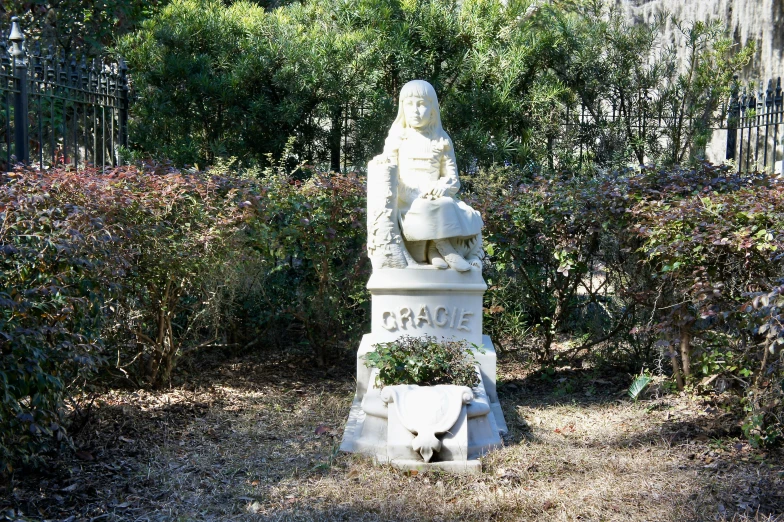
(427, 301)
(417, 302)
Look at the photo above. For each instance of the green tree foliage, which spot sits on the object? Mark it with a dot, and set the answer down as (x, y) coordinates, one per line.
(78, 27)
(215, 81)
(564, 85)
(634, 99)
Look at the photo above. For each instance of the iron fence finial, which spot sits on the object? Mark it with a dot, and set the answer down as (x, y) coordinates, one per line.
(49, 61)
(74, 72)
(17, 40)
(769, 95)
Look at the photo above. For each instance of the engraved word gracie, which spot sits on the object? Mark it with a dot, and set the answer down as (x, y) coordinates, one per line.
(456, 318)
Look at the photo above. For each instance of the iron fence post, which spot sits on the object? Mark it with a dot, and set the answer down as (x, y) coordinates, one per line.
(22, 145)
(732, 120)
(123, 103)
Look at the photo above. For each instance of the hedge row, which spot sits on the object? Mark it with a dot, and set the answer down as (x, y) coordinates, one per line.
(118, 274)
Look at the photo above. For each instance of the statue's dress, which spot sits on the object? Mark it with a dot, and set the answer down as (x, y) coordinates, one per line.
(424, 164)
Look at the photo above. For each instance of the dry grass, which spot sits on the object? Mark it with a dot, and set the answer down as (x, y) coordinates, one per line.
(239, 442)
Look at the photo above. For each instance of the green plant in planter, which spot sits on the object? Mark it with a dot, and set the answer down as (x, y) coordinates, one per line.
(425, 361)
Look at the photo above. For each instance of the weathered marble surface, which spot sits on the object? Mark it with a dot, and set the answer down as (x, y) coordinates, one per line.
(426, 250)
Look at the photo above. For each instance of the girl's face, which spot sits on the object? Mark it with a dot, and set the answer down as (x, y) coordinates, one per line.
(418, 112)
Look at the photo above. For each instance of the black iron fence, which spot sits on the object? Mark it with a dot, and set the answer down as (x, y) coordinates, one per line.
(753, 126)
(747, 129)
(55, 110)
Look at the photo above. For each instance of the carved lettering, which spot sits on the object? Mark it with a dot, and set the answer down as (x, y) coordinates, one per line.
(444, 316)
(462, 324)
(405, 313)
(387, 325)
(424, 316)
(458, 318)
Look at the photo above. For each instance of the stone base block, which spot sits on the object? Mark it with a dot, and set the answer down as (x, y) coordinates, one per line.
(374, 429)
(466, 467)
(441, 303)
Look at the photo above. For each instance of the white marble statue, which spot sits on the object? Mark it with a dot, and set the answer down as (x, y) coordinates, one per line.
(415, 221)
(413, 216)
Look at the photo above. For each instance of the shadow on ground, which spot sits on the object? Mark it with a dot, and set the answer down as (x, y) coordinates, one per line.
(256, 437)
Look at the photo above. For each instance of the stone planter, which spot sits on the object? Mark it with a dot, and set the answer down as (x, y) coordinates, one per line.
(418, 427)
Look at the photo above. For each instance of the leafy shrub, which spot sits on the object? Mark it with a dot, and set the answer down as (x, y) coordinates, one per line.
(710, 238)
(680, 261)
(714, 243)
(92, 260)
(425, 361)
(155, 262)
(546, 236)
(311, 235)
(58, 270)
(178, 229)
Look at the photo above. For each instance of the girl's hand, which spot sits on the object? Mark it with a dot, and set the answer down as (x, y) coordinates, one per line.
(437, 192)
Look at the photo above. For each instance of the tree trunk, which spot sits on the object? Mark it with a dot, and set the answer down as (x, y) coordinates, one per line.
(676, 370)
(686, 350)
(547, 349)
(335, 134)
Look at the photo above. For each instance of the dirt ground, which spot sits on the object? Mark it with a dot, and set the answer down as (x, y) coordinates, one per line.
(256, 438)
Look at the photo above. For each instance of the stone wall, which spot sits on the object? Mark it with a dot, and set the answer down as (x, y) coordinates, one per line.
(758, 20)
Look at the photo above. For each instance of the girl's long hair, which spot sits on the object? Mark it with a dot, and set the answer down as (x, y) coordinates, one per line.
(434, 130)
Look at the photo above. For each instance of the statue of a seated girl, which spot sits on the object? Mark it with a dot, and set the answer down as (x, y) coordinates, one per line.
(413, 216)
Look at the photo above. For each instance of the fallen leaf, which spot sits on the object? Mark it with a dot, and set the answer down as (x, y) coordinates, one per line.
(84, 455)
(255, 507)
(352, 474)
(569, 428)
(321, 430)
